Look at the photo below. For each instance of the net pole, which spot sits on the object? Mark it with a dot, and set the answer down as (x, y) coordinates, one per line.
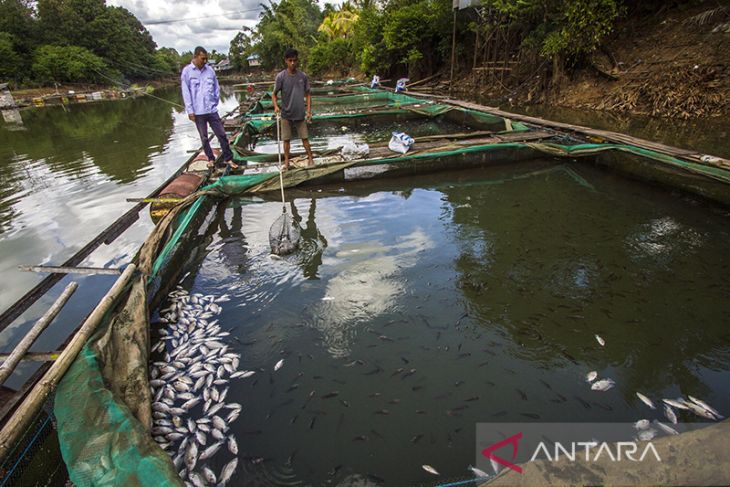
(278, 150)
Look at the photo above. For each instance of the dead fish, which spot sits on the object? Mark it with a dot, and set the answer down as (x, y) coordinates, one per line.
(669, 413)
(210, 451)
(430, 469)
(360, 438)
(667, 429)
(415, 439)
(645, 400)
(603, 385)
(600, 341)
(311, 423)
(478, 472)
(647, 435)
(642, 424)
(345, 403)
(676, 404)
(331, 394)
(191, 456)
(409, 373)
(706, 407)
(591, 376)
(279, 365)
(384, 412)
(227, 471)
(209, 475)
(473, 398)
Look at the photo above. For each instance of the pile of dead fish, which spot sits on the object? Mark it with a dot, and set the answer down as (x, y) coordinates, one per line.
(644, 426)
(189, 388)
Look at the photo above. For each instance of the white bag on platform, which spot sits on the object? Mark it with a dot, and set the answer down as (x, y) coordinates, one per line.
(400, 142)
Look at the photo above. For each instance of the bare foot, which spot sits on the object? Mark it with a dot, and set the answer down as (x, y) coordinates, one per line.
(211, 164)
(310, 163)
(233, 165)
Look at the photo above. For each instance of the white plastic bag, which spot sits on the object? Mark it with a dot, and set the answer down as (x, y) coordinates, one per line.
(400, 142)
(351, 151)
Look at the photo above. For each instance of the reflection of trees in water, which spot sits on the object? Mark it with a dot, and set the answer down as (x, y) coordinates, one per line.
(62, 136)
(312, 242)
(548, 275)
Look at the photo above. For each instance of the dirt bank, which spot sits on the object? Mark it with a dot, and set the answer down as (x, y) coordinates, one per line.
(672, 64)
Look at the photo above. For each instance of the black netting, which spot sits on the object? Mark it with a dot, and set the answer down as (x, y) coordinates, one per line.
(284, 235)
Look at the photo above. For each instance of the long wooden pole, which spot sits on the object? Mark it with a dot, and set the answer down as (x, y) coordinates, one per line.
(453, 56)
(19, 421)
(69, 270)
(35, 356)
(21, 348)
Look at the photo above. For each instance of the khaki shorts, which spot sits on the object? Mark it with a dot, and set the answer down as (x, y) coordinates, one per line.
(286, 128)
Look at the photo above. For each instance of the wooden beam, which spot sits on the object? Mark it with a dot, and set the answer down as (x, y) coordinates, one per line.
(22, 348)
(35, 356)
(69, 270)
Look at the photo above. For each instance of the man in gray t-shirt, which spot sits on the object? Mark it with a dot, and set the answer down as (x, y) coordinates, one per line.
(294, 87)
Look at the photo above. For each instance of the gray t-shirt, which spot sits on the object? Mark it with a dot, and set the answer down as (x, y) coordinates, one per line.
(293, 87)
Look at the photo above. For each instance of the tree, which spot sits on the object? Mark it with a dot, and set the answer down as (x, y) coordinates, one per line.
(241, 47)
(124, 42)
(290, 23)
(10, 68)
(68, 64)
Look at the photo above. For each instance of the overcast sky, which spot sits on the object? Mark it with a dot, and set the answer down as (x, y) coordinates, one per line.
(211, 23)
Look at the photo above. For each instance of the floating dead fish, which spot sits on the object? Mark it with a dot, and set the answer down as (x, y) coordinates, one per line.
(667, 429)
(279, 365)
(603, 385)
(647, 435)
(430, 469)
(645, 400)
(642, 424)
(676, 404)
(591, 376)
(669, 413)
(706, 407)
(227, 472)
(600, 341)
(478, 472)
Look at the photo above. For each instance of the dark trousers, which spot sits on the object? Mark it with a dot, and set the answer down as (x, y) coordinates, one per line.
(215, 122)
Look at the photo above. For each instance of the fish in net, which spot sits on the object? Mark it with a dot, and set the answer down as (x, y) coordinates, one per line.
(284, 235)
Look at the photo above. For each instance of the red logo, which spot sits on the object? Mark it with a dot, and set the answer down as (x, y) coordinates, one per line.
(488, 452)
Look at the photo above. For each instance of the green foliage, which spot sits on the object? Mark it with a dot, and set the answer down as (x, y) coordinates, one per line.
(241, 47)
(117, 36)
(584, 24)
(368, 43)
(167, 60)
(290, 23)
(10, 68)
(112, 34)
(335, 56)
(68, 64)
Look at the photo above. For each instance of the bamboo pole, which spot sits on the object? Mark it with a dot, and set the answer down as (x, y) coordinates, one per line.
(69, 270)
(25, 413)
(21, 348)
(35, 356)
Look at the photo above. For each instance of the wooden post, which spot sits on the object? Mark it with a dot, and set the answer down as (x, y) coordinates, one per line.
(453, 55)
(19, 421)
(21, 348)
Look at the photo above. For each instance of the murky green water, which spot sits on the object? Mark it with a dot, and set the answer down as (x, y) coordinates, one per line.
(418, 308)
(489, 285)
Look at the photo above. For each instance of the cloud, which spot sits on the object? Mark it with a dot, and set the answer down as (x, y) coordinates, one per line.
(210, 23)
